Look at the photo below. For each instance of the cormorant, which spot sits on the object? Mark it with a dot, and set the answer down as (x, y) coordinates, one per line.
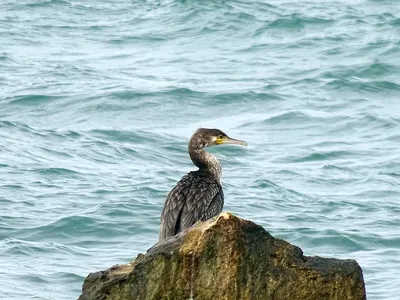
(198, 196)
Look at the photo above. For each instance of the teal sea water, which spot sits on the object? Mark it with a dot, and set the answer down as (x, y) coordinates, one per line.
(99, 98)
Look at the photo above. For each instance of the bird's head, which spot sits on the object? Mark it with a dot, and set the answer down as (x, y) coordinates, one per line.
(205, 137)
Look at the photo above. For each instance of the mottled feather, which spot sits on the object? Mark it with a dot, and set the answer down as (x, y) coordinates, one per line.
(198, 196)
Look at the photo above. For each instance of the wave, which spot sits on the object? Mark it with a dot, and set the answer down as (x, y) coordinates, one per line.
(357, 85)
(322, 156)
(46, 3)
(297, 22)
(31, 100)
(56, 171)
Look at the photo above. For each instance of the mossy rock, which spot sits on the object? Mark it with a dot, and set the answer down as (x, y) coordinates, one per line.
(227, 258)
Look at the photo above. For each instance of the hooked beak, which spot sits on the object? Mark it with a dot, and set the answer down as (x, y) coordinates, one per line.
(228, 140)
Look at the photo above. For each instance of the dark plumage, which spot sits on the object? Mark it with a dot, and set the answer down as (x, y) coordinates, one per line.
(198, 196)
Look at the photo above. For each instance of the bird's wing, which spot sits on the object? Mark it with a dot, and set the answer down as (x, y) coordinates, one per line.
(215, 207)
(196, 197)
(204, 200)
(173, 207)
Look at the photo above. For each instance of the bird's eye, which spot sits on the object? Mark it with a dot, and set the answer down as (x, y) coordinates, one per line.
(220, 137)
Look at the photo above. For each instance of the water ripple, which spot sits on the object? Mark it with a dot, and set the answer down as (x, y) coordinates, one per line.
(98, 101)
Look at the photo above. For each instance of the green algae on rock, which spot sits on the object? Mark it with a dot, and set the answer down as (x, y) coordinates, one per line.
(227, 258)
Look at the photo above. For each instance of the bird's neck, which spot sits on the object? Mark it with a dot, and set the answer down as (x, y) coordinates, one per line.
(206, 161)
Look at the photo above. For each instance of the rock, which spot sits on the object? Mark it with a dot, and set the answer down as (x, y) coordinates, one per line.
(227, 258)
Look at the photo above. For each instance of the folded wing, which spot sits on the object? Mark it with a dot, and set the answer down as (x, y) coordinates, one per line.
(198, 196)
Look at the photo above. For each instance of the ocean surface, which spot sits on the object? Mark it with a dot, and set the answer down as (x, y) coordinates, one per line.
(98, 100)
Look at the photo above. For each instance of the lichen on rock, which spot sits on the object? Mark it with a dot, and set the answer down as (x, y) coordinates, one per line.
(227, 258)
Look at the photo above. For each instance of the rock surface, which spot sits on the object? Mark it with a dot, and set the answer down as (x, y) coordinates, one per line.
(227, 258)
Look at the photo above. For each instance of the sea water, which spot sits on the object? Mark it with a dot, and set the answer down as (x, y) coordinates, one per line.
(98, 100)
